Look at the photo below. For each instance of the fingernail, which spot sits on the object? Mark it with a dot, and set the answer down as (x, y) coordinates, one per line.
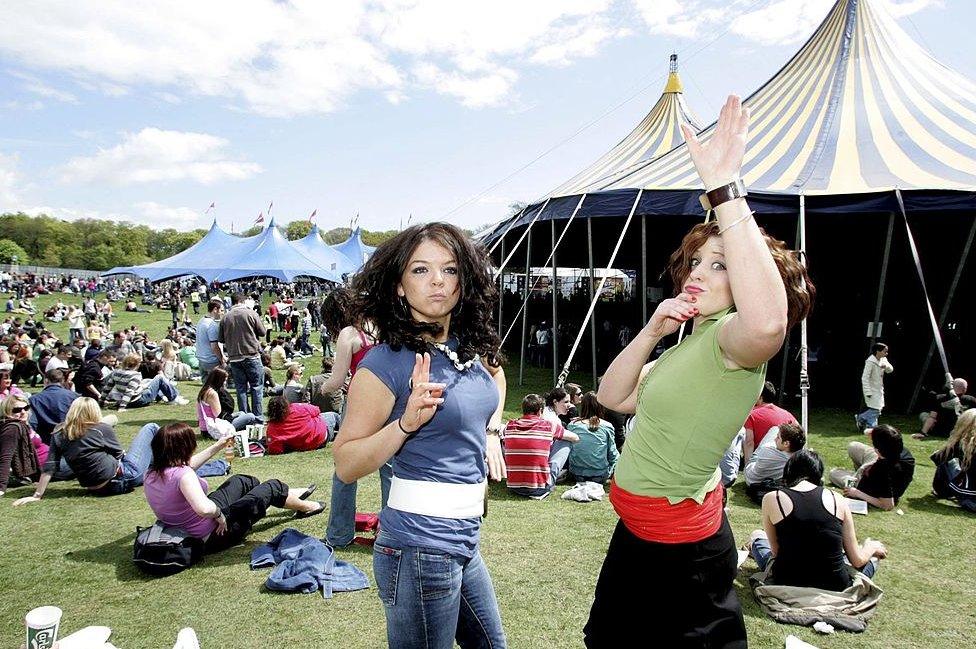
(694, 299)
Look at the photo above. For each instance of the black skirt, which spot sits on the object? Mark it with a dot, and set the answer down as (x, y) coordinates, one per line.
(667, 595)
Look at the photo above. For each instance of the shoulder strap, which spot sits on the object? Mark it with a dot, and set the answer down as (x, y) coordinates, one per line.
(833, 497)
(779, 503)
(155, 532)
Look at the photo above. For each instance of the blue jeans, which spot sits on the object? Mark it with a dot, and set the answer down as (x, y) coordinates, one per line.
(762, 553)
(205, 369)
(158, 386)
(331, 420)
(869, 418)
(243, 419)
(248, 377)
(432, 598)
(342, 510)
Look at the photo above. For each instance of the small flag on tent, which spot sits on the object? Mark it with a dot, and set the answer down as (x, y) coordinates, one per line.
(270, 205)
(312, 215)
(260, 218)
(212, 205)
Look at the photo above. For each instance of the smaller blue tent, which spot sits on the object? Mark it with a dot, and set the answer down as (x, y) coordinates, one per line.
(354, 248)
(324, 255)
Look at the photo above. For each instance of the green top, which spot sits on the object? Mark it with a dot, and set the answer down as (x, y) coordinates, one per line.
(689, 407)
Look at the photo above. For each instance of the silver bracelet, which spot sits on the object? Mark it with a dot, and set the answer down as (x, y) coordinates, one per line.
(736, 222)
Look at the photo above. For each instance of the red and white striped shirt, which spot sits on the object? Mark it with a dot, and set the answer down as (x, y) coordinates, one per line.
(527, 444)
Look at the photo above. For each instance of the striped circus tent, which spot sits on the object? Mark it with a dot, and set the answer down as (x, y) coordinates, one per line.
(860, 108)
(654, 136)
(861, 129)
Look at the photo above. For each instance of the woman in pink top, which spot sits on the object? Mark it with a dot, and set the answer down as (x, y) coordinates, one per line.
(178, 497)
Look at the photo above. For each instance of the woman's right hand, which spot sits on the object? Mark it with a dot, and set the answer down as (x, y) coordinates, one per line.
(876, 548)
(424, 396)
(669, 315)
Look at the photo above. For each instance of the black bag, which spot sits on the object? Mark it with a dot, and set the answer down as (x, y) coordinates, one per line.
(161, 551)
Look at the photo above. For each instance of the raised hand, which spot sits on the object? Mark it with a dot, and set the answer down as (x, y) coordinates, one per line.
(669, 315)
(719, 159)
(424, 397)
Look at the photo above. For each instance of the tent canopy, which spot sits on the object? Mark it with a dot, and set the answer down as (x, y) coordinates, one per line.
(354, 249)
(313, 247)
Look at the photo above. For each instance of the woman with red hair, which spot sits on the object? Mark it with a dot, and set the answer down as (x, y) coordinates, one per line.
(672, 559)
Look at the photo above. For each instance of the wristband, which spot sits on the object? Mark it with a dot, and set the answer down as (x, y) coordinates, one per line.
(722, 194)
(403, 430)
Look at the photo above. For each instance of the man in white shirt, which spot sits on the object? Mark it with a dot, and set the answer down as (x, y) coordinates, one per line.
(60, 359)
(872, 386)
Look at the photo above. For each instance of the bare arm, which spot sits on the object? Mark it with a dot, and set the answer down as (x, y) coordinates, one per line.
(347, 340)
(886, 504)
(494, 453)
(858, 555)
(770, 510)
(756, 332)
(204, 456)
(748, 446)
(198, 501)
(212, 400)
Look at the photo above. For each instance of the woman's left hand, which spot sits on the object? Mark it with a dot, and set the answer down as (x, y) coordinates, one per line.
(496, 459)
(719, 159)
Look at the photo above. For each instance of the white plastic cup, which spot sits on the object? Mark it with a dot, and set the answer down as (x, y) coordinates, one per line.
(42, 626)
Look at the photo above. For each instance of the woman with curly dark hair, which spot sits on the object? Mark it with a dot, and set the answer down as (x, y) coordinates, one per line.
(430, 396)
(671, 563)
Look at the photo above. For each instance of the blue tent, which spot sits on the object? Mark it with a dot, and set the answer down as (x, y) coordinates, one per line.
(354, 248)
(324, 255)
(270, 254)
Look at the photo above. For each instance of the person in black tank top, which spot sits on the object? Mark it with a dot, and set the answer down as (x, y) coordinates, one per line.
(809, 531)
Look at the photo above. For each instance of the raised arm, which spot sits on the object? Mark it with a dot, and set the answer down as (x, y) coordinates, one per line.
(756, 332)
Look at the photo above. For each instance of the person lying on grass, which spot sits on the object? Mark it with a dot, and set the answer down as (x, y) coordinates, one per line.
(178, 497)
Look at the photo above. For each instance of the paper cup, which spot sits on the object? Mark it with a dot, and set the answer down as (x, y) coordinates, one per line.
(42, 627)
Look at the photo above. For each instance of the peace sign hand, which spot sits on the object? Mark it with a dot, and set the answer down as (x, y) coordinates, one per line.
(719, 159)
(424, 396)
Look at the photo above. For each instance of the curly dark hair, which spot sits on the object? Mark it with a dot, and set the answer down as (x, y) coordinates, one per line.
(800, 291)
(335, 311)
(278, 408)
(375, 298)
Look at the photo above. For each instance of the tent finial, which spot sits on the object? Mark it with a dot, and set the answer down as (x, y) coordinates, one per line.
(674, 81)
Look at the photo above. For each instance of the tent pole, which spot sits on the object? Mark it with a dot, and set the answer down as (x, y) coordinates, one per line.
(589, 245)
(945, 313)
(589, 313)
(525, 312)
(884, 277)
(501, 289)
(804, 377)
(554, 338)
(643, 283)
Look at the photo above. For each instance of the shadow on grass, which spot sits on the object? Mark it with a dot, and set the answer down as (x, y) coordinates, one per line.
(118, 553)
(929, 504)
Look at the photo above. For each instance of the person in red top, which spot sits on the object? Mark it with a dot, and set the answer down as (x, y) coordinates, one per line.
(536, 450)
(298, 426)
(765, 414)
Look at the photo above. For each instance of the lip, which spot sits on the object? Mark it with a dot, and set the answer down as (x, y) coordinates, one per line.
(438, 296)
(694, 289)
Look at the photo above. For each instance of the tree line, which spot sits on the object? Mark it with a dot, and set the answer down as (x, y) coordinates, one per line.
(95, 244)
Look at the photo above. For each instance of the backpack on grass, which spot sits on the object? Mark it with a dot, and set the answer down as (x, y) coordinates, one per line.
(161, 550)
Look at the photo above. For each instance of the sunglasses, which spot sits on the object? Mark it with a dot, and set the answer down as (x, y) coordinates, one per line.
(19, 409)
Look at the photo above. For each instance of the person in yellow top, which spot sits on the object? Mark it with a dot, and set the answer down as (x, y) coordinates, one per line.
(669, 570)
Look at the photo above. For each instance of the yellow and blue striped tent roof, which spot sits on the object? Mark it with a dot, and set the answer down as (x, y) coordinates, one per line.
(860, 108)
(654, 136)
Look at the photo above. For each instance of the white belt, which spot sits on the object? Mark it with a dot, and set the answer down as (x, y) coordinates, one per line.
(441, 499)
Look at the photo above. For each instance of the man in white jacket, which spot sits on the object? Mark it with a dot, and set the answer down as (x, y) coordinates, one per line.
(872, 385)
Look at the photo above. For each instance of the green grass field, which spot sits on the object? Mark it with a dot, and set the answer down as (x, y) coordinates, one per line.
(74, 551)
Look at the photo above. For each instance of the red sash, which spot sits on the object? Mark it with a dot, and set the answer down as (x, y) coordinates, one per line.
(657, 520)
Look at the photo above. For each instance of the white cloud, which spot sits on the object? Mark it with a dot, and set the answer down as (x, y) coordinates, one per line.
(303, 56)
(13, 104)
(9, 181)
(38, 87)
(155, 214)
(154, 155)
(775, 23)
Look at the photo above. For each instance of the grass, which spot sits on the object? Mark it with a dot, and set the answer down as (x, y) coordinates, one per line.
(74, 551)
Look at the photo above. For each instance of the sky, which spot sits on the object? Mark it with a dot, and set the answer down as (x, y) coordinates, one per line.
(390, 109)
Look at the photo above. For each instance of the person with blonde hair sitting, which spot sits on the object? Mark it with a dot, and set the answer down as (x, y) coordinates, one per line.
(955, 463)
(97, 458)
(173, 368)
